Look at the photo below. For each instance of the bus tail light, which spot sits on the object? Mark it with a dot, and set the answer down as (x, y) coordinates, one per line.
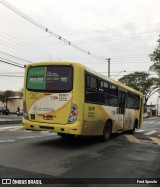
(25, 113)
(73, 114)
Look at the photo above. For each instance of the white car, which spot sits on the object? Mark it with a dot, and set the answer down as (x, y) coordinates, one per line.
(145, 115)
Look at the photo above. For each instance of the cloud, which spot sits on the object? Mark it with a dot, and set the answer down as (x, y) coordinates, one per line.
(107, 28)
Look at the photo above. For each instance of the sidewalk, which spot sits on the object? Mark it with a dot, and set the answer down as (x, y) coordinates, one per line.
(10, 119)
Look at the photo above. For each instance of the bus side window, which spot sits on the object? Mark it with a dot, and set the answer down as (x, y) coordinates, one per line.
(107, 96)
(106, 87)
(113, 90)
(130, 100)
(103, 92)
(88, 82)
(136, 102)
(93, 83)
(121, 101)
(91, 93)
(101, 86)
(113, 95)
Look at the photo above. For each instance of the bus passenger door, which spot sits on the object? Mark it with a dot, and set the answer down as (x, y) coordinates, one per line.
(121, 104)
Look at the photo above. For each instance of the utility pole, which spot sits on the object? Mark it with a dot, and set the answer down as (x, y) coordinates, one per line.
(108, 59)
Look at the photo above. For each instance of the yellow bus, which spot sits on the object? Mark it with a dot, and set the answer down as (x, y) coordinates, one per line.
(71, 99)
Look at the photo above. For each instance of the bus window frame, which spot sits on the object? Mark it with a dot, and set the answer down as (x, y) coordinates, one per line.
(89, 90)
(100, 91)
(131, 99)
(51, 91)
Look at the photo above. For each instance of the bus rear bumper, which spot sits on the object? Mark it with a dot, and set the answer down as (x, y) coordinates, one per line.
(75, 128)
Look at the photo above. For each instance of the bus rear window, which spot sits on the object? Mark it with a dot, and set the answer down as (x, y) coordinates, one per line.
(50, 78)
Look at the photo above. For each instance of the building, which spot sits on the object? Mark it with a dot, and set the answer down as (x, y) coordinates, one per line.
(14, 101)
(152, 110)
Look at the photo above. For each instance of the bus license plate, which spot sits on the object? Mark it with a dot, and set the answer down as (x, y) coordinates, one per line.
(47, 117)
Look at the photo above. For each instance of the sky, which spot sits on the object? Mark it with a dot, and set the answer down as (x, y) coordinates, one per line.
(124, 30)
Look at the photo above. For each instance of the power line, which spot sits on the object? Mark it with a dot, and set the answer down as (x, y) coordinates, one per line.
(11, 63)
(94, 31)
(14, 57)
(99, 39)
(113, 56)
(44, 28)
(92, 40)
(18, 49)
(31, 50)
(26, 45)
(104, 30)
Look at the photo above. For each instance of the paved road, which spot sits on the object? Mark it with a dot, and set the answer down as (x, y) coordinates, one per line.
(10, 119)
(42, 154)
(149, 133)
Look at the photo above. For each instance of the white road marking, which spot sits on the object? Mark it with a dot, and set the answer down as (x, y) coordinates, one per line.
(26, 137)
(139, 130)
(5, 141)
(44, 132)
(151, 122)
(47, 133)
(29, 137)
(15, 129)
(151, 132)
(158, 123)
(10, 127)
(51, 133)
(24, 130)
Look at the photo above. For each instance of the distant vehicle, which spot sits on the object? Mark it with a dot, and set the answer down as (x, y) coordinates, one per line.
(145, 115)
(4, 110)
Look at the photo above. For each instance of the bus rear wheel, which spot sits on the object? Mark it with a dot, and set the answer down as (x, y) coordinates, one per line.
(66, 136)
(107, 131)
(134, 127)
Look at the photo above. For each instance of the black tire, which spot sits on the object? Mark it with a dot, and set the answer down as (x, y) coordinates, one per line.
(107, 131)
(134, 127)
(66, 136)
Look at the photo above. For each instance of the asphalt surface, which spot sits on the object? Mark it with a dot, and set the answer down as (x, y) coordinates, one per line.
(27, 154)
(10, 119)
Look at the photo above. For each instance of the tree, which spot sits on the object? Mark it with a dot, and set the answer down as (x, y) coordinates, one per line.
(5, 97)
(155, 57)
(142, 82)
